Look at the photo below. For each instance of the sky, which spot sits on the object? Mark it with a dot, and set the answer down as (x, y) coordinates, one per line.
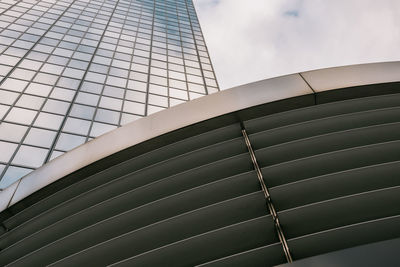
(251, 40)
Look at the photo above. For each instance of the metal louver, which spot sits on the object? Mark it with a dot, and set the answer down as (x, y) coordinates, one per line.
(331, 171)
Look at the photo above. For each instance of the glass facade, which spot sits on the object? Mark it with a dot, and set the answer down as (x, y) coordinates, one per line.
(71, 70)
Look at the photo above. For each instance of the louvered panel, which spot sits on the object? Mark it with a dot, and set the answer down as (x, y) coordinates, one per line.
(335, 185)
(126, 241)
(341, 211)
(324, 126)
(134, 180)
(327, 143)
(321, 111)
(158, 155)
(264, 256)
(164, 208)
(331, 162)
(208, 246)
(332, 171)
(345, 237)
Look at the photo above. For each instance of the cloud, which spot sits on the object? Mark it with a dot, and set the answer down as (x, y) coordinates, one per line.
(258, 39)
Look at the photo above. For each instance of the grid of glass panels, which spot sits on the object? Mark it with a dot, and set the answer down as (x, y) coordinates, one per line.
(71, 70)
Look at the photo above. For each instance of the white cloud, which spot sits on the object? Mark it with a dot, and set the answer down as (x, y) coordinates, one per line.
(257, 39)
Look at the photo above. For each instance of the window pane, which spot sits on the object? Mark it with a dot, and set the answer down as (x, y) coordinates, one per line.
(49, 121)
(12, 132)
(68, 141)
(7, 150)
(107, 116)
(13, 174)
(30, 156)
(77, 126)
(133, 107)
(40, 137)
(111, 103)
(81, 111)
(7, 97)
(20, 115)
(100, 128)
(56, 106)
(28, 101)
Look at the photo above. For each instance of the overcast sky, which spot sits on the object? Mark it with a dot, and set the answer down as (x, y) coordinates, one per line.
(250, 40)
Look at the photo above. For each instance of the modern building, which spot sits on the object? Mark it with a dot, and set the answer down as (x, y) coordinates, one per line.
(71, 70)
(277, 171)
(299, 170)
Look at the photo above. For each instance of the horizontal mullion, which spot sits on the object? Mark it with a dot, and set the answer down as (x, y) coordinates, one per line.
(157, 209)
(345, 237)
(335, 185)
(340, 211)
(321, 111)
(117, 238)
(331, 162)
(327, 143)
(123, 168)
(269, 255)
(124, 189)
(324, 126)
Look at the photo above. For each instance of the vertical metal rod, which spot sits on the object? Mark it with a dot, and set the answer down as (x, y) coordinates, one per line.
(267, 196)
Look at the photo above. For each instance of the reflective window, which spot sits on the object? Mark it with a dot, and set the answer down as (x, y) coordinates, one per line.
(12, 132)
(38, 89)
(28, 101)
(40, 137)
(47, 120)
(78, 126)
(111, 103)
(68, 141)
(108, 116)
(88, 99)
(7, 150)
(67, 77)
(30, 156)
(55, 106)
(56, 154)
(12, 174)
(20, 115)
(100, 128)
(7, 97)
(14, 85)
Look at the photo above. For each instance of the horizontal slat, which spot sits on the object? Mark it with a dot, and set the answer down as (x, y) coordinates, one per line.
(336, 161)
(128, 241)
(158, 155)
(209, 246)
(168, 207)
(326, 143)
(336, 185)
(324, 126)
(341, 211)
(270, 255)
(345, 237)
(321, 111)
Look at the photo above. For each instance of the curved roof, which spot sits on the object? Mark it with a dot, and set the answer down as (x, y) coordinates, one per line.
(224, 102)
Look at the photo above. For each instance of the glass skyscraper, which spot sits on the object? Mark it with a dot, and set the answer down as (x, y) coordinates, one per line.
(71, 70)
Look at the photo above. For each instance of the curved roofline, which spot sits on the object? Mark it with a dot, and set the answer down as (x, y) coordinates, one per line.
(201, 109)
